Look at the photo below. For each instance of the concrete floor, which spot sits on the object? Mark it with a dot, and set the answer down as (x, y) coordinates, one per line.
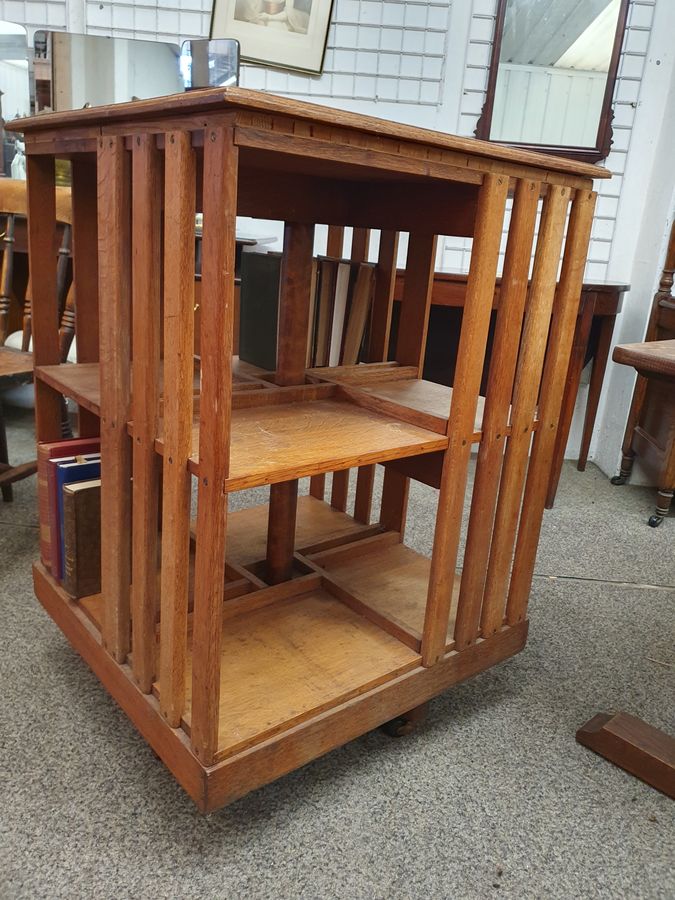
(492, 797)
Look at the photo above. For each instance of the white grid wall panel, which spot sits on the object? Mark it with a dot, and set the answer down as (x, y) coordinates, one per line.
(386, 50)
(34, 15)
(148, 20)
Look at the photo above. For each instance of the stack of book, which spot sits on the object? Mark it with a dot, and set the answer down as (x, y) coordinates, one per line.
(340, 303)
(69, 496)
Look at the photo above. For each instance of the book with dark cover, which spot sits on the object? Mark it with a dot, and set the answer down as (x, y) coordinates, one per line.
(48, 450)
(82, 538)
(65, 471)
(258, 309)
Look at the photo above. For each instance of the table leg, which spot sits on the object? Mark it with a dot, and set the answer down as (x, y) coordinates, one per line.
(595, 387)
(576, 364)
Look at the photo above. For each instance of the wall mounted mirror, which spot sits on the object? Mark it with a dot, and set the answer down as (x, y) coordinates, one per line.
(76, 70)
(14, 95)
(552, 74)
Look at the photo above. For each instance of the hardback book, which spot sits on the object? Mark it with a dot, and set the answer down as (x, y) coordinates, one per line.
(65, 471)
(327, 269)
(48, 450)
(82, 538)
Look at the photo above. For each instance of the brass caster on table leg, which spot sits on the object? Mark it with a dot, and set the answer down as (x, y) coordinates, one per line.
(654, 521)
(406, 723)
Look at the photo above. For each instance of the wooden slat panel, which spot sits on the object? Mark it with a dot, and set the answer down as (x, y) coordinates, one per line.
(383, 297)
(41, 239)
(114, 206)
(179, 267)
(146, 281)
(217, 315)
(553, 384)
(470, 356)
(336, 237)
(497, 407)
(526, 391)
(85, 272)
(360, 244)
(317, 486)
(419, 280)
(294, 294)
(339, 490)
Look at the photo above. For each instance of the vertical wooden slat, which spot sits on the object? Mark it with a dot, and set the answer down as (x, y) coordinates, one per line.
(339, 490)
(416, 303)
(553, 384)
(146, 280)
(41, 237)
(217, 316)
(383, 297)
(296, 282)
(114, 206)
(470, 356)
(394, 505)
(496, 414)
(526, 390)
(179, 280)
(317, 486)
(378, 351)
(336, 239)
(360, 244)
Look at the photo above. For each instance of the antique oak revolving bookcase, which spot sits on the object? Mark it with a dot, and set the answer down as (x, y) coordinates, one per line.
(243, 645)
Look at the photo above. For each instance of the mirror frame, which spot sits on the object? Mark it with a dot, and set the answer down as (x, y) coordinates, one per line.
(603, 141)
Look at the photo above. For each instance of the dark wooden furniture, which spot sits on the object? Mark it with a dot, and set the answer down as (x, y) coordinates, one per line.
(650, 428)
(603, 141)
(598, 308)
(243, 645)
(652, 436)
(16, 365)
(635, 746)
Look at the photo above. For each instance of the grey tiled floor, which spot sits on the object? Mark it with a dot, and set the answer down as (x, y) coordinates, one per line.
(491, 797)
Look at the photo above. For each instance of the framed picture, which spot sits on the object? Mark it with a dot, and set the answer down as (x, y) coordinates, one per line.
(290, 34)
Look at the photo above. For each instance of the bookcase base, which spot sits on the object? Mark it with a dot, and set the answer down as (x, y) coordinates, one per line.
(215, 786)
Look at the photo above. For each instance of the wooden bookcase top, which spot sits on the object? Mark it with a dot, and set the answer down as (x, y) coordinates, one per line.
(289, 121)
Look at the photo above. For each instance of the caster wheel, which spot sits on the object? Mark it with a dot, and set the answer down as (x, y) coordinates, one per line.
(618, 479)
(399, 727)
(654, 521)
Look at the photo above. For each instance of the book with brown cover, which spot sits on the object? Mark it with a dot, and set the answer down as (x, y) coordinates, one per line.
(82, 537)
(49, 450)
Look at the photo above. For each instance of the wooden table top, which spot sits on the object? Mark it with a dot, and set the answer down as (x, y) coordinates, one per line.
(650, 357)
(210, 101)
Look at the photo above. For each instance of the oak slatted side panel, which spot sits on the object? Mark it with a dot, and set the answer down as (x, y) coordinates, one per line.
(470, 358)
(497, 407)
(179, 281)
(553, 385)
(334, 247)
(526, 391)
(216, 326)
(114, 229)
(378, 347)
(146, 230)
(41, 237)
(359, 254)
(410, 349)
(85, 272)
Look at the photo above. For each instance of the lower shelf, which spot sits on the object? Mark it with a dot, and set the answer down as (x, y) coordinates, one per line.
(368, 697)
(294, 658)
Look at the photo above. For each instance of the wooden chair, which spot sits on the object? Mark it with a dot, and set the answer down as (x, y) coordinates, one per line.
(650, 429)
(16, 365)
